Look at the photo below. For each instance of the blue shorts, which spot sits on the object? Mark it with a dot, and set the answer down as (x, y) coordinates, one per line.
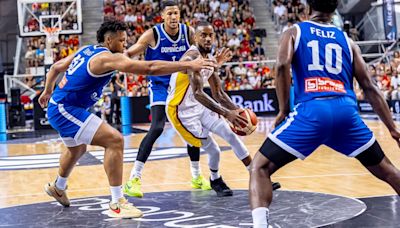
(75, 125)
(333, 121)
(158, 92)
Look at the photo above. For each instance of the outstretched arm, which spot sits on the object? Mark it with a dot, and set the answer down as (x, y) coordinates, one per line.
(283, 79)
(372, 93)
(145, 40)
(108, 62)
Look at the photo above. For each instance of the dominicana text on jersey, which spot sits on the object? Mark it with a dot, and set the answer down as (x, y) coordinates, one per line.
(167, 49)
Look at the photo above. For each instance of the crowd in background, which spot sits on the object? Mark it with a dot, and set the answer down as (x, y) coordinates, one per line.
(35, 46)
(234, 24)
(386, 76)
(235, 27)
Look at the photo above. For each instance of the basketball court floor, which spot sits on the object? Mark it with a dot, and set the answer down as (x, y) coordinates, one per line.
(325, 190)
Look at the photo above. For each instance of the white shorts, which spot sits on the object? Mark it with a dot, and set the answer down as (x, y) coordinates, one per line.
(193, 127)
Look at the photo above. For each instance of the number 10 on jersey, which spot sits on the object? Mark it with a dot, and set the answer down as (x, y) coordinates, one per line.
(329, 48)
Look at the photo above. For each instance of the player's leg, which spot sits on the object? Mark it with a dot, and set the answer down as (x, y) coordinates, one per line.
(112, 140)
(354, 139)
(221, 128)
(380, 166)
(158, 118)
(268, 160)
(68, 159)
(198, 181)
(296, 137)
(216, 181)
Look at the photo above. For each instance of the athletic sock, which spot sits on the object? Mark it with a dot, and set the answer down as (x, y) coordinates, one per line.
(260, 217)
(116, 193)
(195, 169)
(137, 170)
(214, 174)
(61, 182)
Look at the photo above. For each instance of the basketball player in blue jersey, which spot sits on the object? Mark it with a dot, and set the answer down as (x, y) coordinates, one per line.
(86, 73)
(323, 61)
(167, 41)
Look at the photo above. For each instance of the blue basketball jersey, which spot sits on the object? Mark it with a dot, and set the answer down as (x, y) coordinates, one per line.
(167, 49)
(323, 62)
(80, 87)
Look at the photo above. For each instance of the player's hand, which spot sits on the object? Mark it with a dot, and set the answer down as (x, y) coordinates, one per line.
(279, 118)
(200, 63)
(236, 119)
(44, 98)
(126, 53)
(396, 136)
(223, 56)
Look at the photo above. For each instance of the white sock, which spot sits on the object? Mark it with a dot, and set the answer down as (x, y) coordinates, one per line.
(214, 175)
(61, 182)
(116, 193)
(248, 168)
(260, 217)
(137, 170)
(195, 169)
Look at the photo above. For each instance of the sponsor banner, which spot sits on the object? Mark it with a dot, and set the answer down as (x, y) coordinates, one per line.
(365, 107)
(262, 102)
(389, 19)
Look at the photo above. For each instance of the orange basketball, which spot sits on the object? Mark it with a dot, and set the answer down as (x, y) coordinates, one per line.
(251, 123)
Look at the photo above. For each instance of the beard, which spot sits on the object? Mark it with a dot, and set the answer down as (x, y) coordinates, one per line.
(204, 50)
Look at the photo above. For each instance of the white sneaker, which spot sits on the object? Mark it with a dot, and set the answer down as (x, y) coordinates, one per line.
(124, 209)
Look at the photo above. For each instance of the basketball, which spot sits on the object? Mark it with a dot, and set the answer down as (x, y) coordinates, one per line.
(251, 123)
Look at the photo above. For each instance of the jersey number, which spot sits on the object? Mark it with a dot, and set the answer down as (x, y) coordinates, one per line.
(314, 45)
(75, 64)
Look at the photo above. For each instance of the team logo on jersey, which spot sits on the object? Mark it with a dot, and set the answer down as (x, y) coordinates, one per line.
(322, 84)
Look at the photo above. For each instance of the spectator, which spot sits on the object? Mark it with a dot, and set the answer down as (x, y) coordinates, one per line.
(258, 50)
(116, 87)
(240, 71)
(234, 42)
(106, 109)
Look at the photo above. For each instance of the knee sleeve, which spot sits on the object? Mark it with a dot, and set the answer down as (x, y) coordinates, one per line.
(156, 129)
(194, 153)
(371, 156)
(224, 131)
(211, 147)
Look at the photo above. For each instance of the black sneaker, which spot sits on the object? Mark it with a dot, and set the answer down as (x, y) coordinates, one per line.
(275, 186)
(220, 187)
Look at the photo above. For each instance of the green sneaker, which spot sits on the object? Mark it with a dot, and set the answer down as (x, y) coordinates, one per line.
(200, 183)
(133, 188)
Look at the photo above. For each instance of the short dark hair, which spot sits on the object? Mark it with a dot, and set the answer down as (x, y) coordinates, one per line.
(164, 4)
(109, 26)
(202, 23)
(325, 6)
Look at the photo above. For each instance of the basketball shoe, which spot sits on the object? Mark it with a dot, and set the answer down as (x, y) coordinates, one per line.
(220, 187)
(133, 188)
(200, 183)
(123, 209)
(58, 194)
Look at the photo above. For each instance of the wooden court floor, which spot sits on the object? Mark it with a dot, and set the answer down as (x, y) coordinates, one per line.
(324, 171)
